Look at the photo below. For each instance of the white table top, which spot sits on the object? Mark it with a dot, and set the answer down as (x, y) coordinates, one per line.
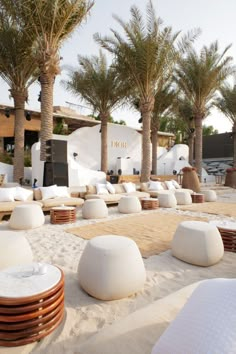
(227, 225)
(28, 280)
(63, 207)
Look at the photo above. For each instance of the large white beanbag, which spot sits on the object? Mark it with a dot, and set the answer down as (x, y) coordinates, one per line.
(206, 324)
(197, 242)
(111, 267)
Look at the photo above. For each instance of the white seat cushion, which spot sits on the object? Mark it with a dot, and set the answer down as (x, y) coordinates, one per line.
(206, 324)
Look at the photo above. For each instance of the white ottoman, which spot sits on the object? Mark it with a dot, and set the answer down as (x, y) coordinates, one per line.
(26, 216)
(14, 249)
(210, 195)
(198, 243)
(183, 197)
(129, 204)
(118, 270)
(167, 200)
(94, 209)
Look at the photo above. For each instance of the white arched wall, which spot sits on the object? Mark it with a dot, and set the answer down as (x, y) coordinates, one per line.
(170, 160)
(122, 142)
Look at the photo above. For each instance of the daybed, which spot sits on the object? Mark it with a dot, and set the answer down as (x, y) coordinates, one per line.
(46, 197)
(112, 193)
(11, 197)
(53, 196)
(154, 188)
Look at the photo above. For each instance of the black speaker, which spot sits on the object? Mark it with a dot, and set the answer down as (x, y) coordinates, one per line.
(56, 151)
(55, 173)
(114, 179)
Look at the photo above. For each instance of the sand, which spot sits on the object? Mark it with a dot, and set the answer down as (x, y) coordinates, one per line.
(90, 325)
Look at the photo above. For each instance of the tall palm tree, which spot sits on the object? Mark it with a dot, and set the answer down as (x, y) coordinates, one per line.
(227, 105)
(99, 86)
(143, 58)
(17, 69)
(51, 22)
(164, 100)
(184, 111)
(199, 77)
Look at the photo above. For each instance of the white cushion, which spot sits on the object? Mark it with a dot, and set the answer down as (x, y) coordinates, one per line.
(169, 185)
(155, 186)
(129, 187)
(175, 184)
(206, 324)
(49, 192)
(7, 194)
(101, 188)
(22, 194)
(62, 192)
(111, 188)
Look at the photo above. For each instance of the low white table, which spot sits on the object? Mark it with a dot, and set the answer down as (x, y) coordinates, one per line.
(31, 303)
(227, 230)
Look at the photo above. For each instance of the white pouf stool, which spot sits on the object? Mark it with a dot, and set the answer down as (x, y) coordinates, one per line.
(183, 197)
(129, 204)
(94, 209)
(210, 195)
(14, 249)
(198, 243)
(26, 216)
(167, 199)
(111, 267)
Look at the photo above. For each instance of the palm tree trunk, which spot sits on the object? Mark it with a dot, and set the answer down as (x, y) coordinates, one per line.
(19, 98)
(154, 139)
(234, 144)
(47, 83)
(198, 145)
(104, 150)
(191, 145)
(146, 109)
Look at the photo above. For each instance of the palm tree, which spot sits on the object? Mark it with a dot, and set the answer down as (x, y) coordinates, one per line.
(143, 59)
(17, 69)
(227, 105)
(184, 111)
(164, 100)
(99, 86)
(51, 22)
(199, 77)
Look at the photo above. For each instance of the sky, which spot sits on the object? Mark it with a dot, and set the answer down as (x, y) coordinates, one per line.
(216, 18)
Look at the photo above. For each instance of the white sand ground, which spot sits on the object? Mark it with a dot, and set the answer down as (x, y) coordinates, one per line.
(127, 326)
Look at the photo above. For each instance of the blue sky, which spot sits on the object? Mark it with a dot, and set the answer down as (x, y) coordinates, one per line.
(216, 18)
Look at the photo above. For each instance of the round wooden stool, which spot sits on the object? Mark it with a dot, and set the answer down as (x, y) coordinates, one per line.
(62, 215)
(31, 303)
(149, 203)
(198, 198)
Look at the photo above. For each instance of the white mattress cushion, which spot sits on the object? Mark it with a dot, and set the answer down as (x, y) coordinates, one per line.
(206, 324)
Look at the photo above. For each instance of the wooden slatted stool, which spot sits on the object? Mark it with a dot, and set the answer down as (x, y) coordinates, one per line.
(149, 203)
(31, 303)
(62, 215)
(227, 230)
(198, 198)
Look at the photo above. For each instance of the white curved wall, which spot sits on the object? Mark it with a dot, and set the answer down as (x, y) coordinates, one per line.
(169, 161)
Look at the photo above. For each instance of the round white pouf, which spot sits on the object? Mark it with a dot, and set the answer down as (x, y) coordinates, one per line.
(26, 216)
(167, 200)
(14, 249)
(210, 195)
(183, 197)
(111, 267)
(198, 243)
(129, 204)
(94, 209)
